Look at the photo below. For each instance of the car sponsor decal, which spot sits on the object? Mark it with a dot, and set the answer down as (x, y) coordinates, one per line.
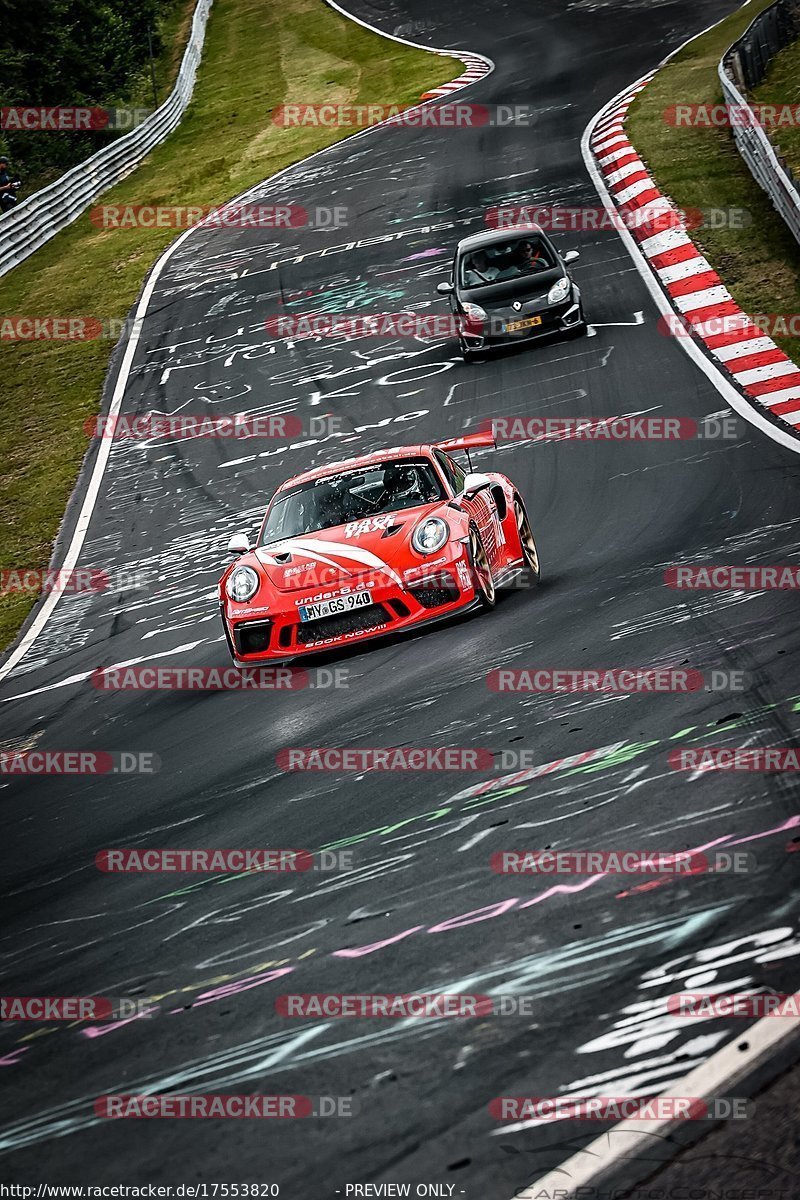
(368, 525)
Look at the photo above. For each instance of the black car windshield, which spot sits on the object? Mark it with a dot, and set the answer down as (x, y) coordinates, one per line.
(351, 496)
(501, 261)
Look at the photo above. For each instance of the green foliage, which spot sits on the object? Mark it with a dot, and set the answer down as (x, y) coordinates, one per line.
(71, 52)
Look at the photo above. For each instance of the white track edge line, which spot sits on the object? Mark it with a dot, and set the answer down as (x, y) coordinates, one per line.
(710, 1079)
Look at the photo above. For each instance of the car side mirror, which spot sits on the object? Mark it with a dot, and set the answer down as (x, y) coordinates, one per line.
(571, 255)
(239, 544)
(475, 483)
(444, 288)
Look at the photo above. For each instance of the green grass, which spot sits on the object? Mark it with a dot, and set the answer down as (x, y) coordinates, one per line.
(257, 55)
(782, 86)
(701, 168)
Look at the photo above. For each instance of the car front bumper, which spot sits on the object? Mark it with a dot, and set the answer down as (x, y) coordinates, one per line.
(560, 318)
(434, 592)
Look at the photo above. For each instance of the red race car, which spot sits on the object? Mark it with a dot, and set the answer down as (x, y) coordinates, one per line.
(371, 546)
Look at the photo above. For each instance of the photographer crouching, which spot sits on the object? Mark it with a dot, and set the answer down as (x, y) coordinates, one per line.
(8, 186)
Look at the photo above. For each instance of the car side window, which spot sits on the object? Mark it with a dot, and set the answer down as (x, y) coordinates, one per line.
(455, 476)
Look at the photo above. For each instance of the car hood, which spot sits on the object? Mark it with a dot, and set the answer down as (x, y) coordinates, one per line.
(499, 297)
(376, 545)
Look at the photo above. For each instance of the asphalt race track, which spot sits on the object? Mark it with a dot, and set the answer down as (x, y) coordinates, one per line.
(420, 910)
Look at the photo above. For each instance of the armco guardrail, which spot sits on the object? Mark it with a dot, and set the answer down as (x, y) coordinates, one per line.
(744, 66)
(39, 217)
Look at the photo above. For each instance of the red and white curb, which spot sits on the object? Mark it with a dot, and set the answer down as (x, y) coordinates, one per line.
(476, 66)
(699, 300)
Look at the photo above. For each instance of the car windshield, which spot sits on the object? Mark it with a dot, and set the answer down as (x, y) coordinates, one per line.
(351, 496)
(505, 260)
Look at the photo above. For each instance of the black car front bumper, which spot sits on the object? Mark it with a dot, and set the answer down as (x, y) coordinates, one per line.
(558, 318)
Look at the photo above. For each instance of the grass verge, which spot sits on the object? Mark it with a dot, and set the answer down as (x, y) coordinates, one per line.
(257, 55)
(782, 86)
(701, 168)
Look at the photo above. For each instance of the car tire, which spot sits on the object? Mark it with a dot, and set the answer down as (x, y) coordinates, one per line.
(481, 572)
(530, 554)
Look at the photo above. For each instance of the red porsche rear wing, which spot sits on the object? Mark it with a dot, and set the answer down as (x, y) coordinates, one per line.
(470, 441)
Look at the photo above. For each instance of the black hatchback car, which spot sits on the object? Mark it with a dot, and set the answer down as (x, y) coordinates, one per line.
(510, 286)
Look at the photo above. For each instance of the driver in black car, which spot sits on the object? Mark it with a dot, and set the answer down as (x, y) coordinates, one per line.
(531, 258)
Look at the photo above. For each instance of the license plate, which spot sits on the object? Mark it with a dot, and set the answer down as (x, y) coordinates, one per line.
(527, 323)
(331, 608)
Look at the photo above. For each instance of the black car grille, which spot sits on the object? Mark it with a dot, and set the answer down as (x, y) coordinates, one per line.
(434, 592)
(374, 616)
(252, 637)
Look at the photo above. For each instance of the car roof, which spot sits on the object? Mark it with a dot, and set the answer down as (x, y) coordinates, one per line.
(353, 464)
(491, 237)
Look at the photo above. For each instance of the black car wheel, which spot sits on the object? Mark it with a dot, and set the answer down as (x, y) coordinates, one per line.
(530, 554)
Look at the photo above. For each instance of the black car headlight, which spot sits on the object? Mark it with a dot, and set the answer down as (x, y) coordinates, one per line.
(559, 291)
(430, 535)
(242, 584)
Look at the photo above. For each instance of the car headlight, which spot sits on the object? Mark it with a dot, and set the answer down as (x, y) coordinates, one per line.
(430, 535)
(474, 314)
(242, 584)
(559, 291)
